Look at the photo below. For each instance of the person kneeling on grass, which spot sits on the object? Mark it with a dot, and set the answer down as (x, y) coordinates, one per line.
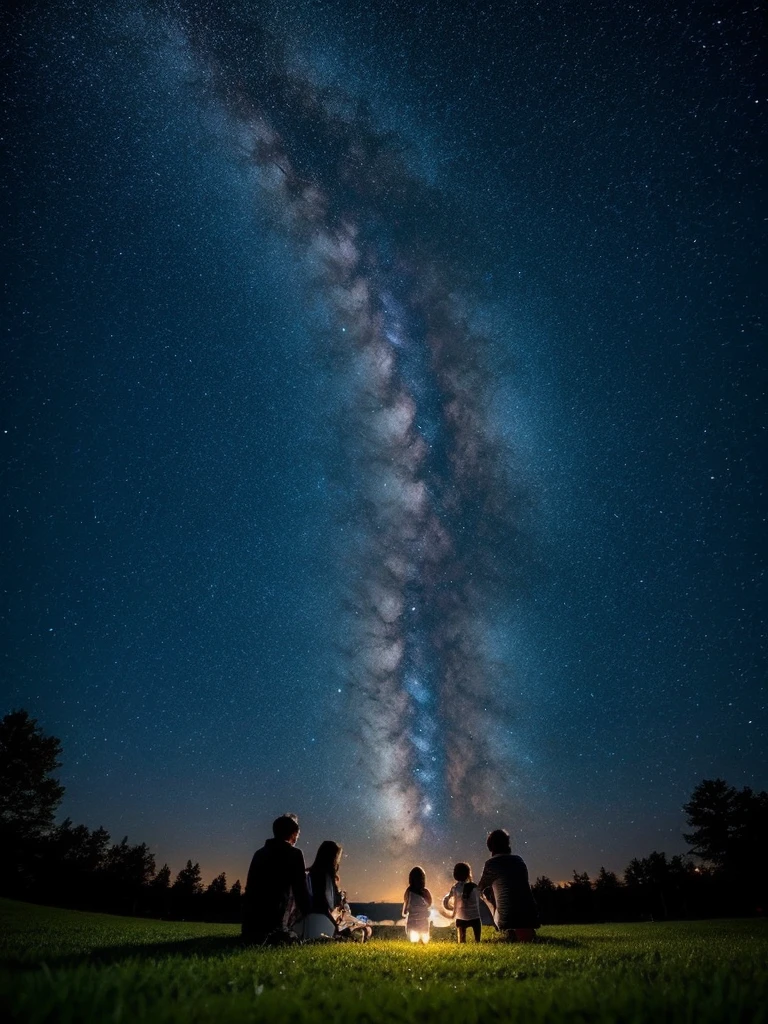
(504, 885)
(463, 903)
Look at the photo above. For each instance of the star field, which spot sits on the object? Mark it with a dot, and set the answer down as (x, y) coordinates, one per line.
(383, 423)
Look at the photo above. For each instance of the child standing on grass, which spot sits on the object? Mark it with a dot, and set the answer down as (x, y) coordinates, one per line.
(463, 903)
(416, 903)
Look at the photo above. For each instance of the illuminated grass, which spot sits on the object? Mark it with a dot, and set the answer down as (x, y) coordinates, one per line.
(65, 966)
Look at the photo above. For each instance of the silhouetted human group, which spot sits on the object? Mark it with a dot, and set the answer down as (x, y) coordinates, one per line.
(287, 902)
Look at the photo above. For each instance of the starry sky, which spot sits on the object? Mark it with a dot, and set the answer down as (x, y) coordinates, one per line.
(382, 427)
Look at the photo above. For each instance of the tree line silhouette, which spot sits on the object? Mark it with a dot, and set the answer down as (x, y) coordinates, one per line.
(74, 866)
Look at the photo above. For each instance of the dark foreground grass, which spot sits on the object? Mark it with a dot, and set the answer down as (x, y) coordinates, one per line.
(60, 965)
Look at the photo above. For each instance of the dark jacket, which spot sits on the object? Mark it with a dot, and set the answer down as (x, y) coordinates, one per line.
(506, 875)
(276, 873)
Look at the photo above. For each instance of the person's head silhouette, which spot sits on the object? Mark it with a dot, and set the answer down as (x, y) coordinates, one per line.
(286, 827)
(498, 841)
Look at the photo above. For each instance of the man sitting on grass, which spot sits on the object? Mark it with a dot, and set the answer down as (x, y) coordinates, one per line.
(505, 887)
(276, 890)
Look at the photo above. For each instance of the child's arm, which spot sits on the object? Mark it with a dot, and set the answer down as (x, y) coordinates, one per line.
(406, 901)
(449, 905)
(428, 897)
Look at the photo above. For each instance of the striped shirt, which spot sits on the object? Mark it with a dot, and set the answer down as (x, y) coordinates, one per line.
(506, 875)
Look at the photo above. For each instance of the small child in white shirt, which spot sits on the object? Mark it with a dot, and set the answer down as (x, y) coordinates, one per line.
(463, 903)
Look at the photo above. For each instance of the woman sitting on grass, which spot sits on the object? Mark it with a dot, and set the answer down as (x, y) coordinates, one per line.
(463, 903)
(417, 900)
(323, 878)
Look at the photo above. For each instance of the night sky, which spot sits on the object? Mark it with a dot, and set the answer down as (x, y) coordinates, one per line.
(382, 426)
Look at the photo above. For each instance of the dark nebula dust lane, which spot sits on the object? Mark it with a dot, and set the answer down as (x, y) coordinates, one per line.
(436, 512)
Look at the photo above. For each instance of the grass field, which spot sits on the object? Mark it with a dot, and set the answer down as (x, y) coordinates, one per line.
(60, 965)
